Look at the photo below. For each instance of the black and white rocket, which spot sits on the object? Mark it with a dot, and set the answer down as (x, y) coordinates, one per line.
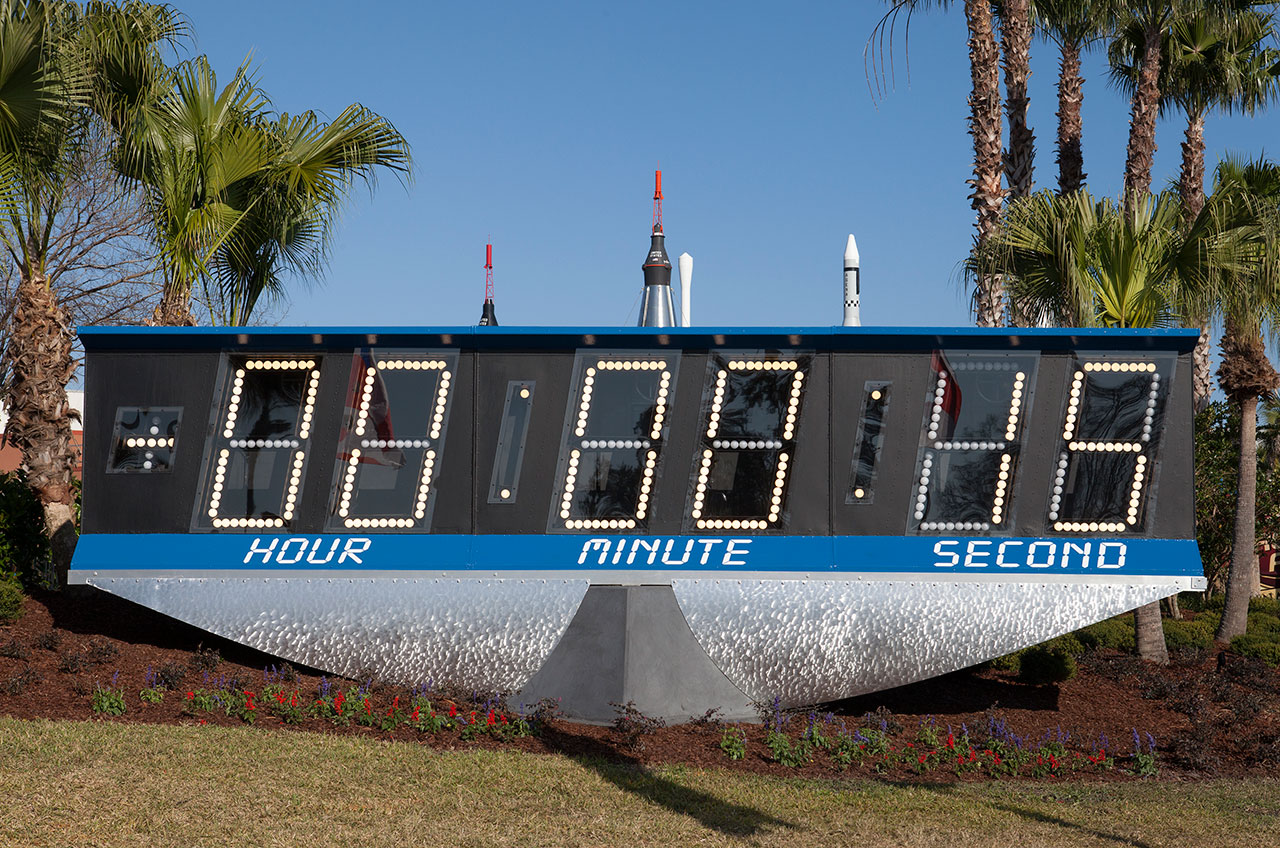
(852, 285)
(657, 309)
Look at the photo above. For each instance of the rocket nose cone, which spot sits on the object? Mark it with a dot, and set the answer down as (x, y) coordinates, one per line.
(851, 252)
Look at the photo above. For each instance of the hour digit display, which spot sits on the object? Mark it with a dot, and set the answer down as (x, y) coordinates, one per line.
(751, 412)
(613, 441)
(1109, 437)
(969, 449)
(259, 451)
(398, 410)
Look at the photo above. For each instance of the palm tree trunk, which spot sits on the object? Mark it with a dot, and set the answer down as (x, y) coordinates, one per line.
(174, 310)
(1191, 180)
(1202, 370)
(39, 355)
(1148, 633)
(1070, 126)
(1141, 151)
(1015, 42)
(1242, 579)
(985, 127)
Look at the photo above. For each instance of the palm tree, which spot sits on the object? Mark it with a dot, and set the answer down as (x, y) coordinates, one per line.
(237, 196)
(312, 169)
(1211, 57)
(1073, 25)
(50, 85)
(1071, 260)
(1251, 304)
(987, 197)
(193, 151)
(1015, 44)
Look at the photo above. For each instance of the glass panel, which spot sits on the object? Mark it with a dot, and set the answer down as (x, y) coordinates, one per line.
(870, 440)
(144, 439)
(392, 444)
(751, 410)
(260, 449)
(615, 429)
(505, 481)
(971, 439)
(1110, 435)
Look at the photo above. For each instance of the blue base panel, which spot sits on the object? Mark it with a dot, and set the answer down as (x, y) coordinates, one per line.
(935, 557)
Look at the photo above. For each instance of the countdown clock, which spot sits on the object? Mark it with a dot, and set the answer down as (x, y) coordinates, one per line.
(808, 513)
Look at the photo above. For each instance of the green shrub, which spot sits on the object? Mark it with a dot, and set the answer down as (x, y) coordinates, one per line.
(1262, 646)
(24, 548)
(10, 600)
(1008, 662)
(1210, 620)
(1046, 664)
(1266, 606)
(1181, 635)
(1067, 643)
(1115, 633)
(1261, 622)
(1216, 603)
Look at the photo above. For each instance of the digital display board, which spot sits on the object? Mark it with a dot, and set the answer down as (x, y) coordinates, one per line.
(608, 456)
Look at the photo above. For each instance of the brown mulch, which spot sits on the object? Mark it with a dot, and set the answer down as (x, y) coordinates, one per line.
(1210, 714)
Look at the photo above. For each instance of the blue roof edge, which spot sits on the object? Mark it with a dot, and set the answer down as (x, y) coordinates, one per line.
(863, 338)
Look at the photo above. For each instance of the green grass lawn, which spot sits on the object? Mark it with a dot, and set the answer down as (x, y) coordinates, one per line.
(99, 783)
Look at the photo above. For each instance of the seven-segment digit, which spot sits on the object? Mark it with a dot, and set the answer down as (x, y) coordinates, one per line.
(262, 445)
(740, 482)
(613, 442)
(1109, 437)
(399, 407)
(969, 449)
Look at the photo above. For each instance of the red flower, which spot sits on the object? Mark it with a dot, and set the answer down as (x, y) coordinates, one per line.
(923, 757)
(191, 696)
(293, 701)
(453, 710)
(951, 740)
(490, 722)
(280, 697)
(415, 714)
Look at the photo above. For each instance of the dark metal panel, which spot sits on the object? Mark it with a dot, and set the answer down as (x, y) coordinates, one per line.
(809, 489)
(683, 438)
(1174, 507)
(144, 502)
(552, 371)
(910, 375)
(453, 511)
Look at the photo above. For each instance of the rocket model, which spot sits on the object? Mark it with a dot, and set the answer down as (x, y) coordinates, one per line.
(657, 309)
(852, 285)
(489, 318)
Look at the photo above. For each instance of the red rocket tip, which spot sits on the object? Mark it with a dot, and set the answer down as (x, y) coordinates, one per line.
(657, 185)
(488, 256)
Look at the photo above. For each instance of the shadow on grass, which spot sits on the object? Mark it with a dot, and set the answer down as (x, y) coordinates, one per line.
(631, 775)
(1036, 816)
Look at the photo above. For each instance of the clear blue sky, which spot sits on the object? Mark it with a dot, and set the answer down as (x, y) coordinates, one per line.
(539, 126)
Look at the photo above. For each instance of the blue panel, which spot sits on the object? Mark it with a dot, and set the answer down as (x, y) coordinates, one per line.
(936, 558)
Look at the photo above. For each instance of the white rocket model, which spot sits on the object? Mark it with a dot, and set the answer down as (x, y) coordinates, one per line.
(686, 280)
(852, 285)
